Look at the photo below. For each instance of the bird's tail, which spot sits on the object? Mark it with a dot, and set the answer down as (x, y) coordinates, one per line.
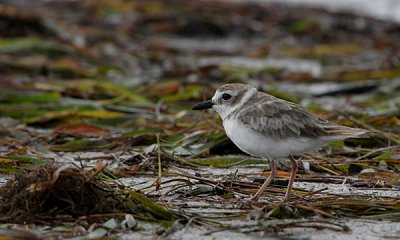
(342, 132)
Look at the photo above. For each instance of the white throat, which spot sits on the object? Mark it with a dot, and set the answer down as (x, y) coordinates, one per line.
(225, 111)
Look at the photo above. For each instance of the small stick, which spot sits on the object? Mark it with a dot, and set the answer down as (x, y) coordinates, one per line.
(159, 154)
(298, 205)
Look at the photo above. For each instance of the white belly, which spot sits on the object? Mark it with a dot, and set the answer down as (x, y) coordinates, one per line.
(259, 145)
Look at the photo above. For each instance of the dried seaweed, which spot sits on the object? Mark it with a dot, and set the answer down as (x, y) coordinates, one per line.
(52, 190)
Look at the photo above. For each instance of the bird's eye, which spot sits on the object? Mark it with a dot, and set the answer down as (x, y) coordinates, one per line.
(226, 96)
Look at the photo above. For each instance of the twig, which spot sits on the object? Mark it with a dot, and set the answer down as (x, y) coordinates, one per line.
(182, 160)
(159, 154)
(236, 163)
(375, 151)
(326, 169)
(320, 212)
(315, 192)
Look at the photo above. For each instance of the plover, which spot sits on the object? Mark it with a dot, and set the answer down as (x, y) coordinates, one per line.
(271, 128)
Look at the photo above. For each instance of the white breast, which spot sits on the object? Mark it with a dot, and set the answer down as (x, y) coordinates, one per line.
(260, 145)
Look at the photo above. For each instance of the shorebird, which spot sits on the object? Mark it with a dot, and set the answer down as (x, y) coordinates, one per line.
(270, 128)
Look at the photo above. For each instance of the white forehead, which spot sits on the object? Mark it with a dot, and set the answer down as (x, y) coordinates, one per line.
(218, 94)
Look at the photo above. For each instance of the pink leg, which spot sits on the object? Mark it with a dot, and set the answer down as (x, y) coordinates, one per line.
(293, 172)
(266, 183)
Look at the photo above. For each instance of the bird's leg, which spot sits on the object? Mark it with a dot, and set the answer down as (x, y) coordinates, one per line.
(266, 183)
(293, 172)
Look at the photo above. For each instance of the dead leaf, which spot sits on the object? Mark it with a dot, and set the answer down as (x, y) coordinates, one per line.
(387, 177)
(80, 130)
(279, 174)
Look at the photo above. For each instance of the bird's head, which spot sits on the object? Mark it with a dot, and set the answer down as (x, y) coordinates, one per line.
(228, 98)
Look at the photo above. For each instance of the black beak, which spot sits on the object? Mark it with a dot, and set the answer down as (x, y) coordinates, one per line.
(203, 105)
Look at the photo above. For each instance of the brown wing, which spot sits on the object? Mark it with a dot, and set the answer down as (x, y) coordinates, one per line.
(281, 119)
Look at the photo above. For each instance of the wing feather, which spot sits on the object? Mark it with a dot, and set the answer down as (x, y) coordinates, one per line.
(281, 119)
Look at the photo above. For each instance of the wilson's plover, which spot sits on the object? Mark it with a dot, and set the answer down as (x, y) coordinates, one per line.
(271, 128)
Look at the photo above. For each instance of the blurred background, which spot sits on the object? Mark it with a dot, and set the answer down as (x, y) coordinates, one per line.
(127, 55)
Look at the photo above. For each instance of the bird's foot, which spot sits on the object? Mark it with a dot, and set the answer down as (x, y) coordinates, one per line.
(286, 199)
(255, 198)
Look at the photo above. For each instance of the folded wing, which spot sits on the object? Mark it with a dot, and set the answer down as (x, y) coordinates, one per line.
(280, 119)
